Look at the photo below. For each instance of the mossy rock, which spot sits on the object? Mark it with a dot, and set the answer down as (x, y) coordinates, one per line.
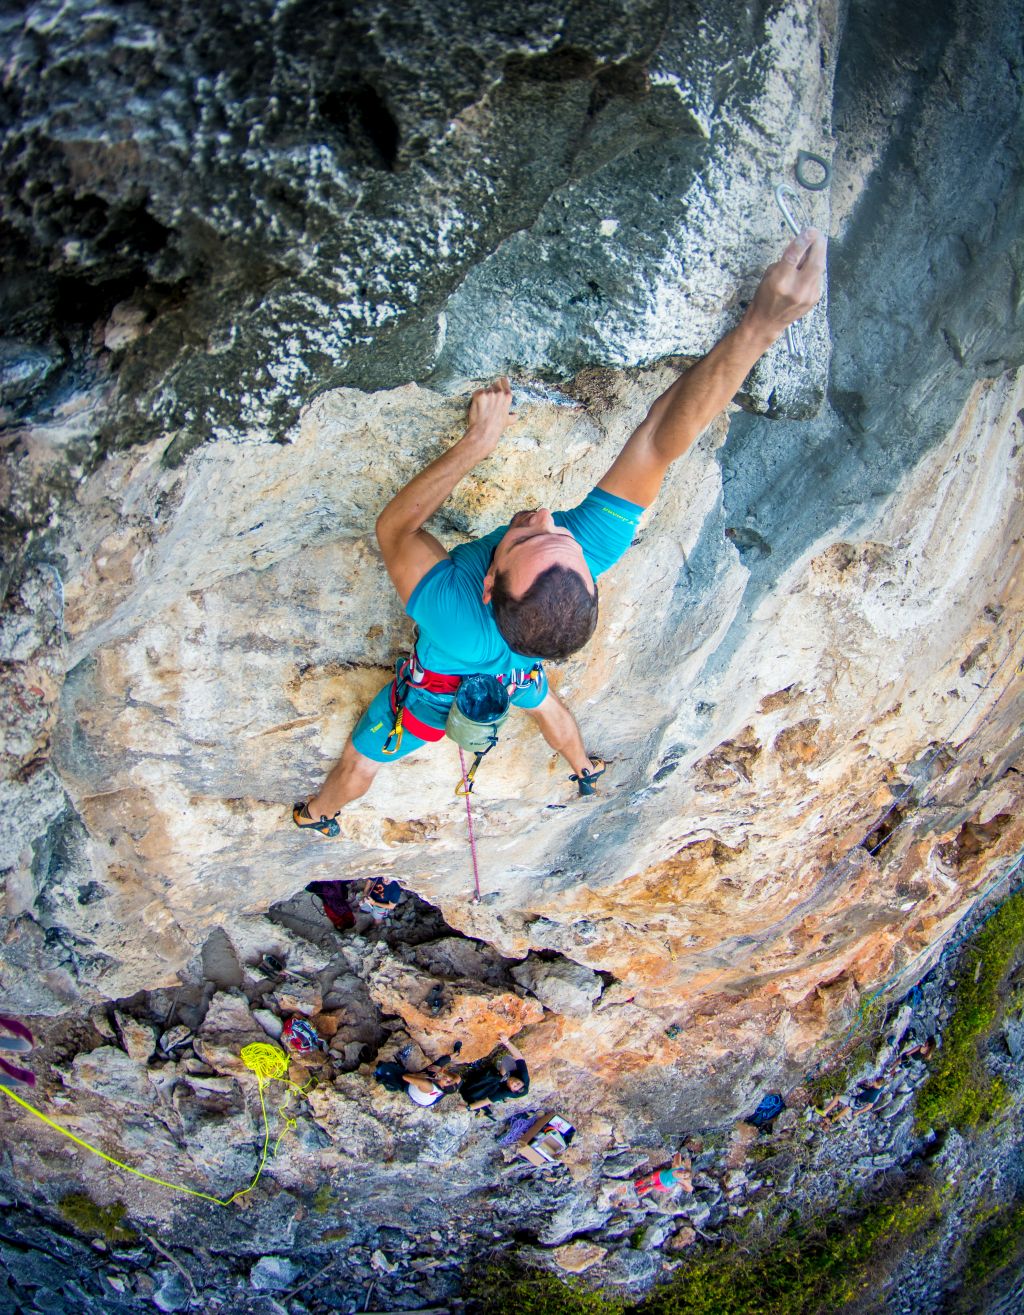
(324, 1199)
(958, 1092)
(816, 1267)
(999, 1244)
(85, 1216)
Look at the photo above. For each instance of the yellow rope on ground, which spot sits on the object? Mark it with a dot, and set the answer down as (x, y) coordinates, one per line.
(269, 1063)
(265, 1060)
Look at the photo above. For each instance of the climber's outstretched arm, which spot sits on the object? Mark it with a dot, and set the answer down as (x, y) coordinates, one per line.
(409, 551)
(788, 290)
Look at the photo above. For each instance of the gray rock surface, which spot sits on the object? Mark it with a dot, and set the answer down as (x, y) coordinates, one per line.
(273, 1274)
(560, 985)
(277, 218)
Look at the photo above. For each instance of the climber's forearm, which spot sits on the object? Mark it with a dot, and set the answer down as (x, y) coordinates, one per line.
(686, 409)
(411, 507)
(789, 289)
(682, 412)
(410, 551)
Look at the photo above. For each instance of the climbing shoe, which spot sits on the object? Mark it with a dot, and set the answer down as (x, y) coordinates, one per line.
(326, 826)
(585, 782)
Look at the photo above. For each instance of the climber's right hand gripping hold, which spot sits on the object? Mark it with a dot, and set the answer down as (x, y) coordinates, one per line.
(789, 288)
(409, 551)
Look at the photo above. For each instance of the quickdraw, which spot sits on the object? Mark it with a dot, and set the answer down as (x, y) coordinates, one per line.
(468, 780)
(408, 674)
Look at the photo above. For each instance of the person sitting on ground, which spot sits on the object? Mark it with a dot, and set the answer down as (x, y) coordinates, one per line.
(676, 1176)
(526, 593)
(915, 1048)
(865, 1098)
(426, 1086)
(380, 897)
(488, 1083)
(333, 895)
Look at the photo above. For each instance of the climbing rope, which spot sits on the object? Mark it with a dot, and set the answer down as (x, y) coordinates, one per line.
(267, 1062)
(466, 791)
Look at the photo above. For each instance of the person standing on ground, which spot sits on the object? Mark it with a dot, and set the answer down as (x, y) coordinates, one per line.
(527, 592)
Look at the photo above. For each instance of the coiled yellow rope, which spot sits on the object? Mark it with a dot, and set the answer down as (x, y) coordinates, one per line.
(266, 1061)
(269, 1063)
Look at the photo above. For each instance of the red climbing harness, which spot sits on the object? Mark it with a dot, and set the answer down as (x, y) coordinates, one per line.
(412, 675)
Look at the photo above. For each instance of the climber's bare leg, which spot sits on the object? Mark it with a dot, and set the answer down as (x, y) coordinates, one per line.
(558, 726)
(349, 779)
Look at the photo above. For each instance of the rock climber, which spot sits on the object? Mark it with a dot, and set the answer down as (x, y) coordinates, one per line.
(490, 1082)
(677, 1176)
(525, 593)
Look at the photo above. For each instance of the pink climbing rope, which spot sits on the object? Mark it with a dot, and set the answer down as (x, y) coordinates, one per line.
(469, 824)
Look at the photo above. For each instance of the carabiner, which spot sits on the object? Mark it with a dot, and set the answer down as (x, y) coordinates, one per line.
(793, 213)
(787, 198)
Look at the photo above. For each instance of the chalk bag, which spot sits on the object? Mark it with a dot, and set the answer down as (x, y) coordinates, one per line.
(479, 709)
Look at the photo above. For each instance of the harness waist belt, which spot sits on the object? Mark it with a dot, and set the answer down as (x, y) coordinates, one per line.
(434, 682)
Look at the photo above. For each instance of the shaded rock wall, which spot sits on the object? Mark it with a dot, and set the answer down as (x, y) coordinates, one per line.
(812, 643)
(291, 193)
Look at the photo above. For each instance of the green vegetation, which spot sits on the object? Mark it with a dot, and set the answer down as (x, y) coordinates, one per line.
(995, 1252)
(508, 1285)
(323, 1199)
(84, 1215)
(999, 1244)
(958, 1092)
(813, 1268)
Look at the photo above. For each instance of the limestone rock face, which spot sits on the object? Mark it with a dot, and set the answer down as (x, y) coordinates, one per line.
(227, 1027)
(576, 1257)
(806, 676)
(437, 1017)
(561, 986)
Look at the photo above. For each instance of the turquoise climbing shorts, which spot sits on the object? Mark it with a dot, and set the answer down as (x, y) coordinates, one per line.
(375, 725)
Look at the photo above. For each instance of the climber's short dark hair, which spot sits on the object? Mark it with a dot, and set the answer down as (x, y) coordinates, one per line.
(553, 619)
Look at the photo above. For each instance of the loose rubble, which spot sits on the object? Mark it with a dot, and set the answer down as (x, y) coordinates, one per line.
(407, 1246)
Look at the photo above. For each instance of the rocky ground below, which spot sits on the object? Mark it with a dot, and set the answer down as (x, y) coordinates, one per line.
(370, 1203)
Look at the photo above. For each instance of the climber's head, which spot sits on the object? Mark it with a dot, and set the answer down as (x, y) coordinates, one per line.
(540, 588)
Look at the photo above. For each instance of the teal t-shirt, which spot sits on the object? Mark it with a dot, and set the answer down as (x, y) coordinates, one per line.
(457, 632)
